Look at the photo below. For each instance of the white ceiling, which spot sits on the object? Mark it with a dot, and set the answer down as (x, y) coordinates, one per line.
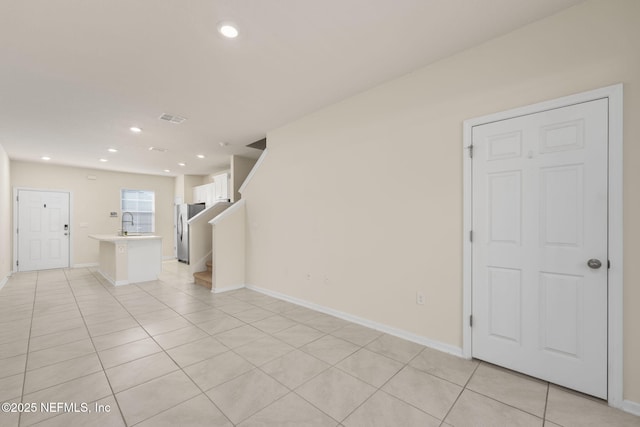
(76, 74)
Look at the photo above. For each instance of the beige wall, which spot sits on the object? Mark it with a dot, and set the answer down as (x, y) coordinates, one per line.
(370, 241)
(93, 200)
(240, 168)
(208, 179)
(5, 216)
(178, 192)
(200, 243)
(191, 181)
(229, 248)
(184, 186)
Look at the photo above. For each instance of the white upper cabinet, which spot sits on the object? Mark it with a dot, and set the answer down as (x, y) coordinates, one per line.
(204, 194)
(214, 192)
(221, 183)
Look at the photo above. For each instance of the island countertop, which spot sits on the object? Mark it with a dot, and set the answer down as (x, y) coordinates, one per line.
(117, 237)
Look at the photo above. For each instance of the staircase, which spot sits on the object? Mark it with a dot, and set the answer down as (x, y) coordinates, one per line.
(204, 278)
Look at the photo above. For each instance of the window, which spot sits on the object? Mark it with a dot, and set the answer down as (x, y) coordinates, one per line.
(141, 204)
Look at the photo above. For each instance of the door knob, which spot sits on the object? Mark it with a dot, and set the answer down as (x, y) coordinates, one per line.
(594, 263)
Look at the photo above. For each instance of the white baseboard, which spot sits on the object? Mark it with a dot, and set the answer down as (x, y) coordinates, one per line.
(627, 405)
(86, 265)
(4, 281)
(169, 258)
(226, 289)
(631, 407)
(446, 348)
(112, 281)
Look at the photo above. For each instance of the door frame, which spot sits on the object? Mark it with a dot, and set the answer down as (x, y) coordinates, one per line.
(615, 212)
(16, 190)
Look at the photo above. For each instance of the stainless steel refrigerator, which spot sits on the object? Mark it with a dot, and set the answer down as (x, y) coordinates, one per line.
(184, 213)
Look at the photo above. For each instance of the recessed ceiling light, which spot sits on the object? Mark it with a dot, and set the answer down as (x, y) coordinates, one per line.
(223, 144)
(182, 164)
(200, 156)
(112, 150)
(228, 29)
(45, 158)
(104, 160)
(167, 170)
(135, 129)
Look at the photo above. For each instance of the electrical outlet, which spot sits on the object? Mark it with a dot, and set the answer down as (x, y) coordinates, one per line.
(419, 298)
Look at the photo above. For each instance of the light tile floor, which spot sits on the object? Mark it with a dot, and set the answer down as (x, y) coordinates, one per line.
(169, 353)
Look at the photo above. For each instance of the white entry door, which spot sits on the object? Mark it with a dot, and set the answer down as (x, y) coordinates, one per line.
(43, 230)
(539, 275)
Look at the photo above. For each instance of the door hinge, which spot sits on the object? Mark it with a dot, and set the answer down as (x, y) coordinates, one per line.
(471, 235)
(17, 263)
(608, 264)
(470, 151)
(471, 320)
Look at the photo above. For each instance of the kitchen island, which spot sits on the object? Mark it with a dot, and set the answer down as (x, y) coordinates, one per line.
(129, 259)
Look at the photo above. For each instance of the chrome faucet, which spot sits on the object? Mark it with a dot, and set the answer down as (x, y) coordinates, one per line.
(123, 231)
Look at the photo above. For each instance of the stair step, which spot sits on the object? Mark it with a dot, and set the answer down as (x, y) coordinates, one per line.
(203, 278)
(209, 266)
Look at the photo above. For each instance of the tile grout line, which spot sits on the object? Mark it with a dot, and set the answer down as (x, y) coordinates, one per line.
(29, 344)
(546, 404)
(229, 349)
(232, 350)
(379, 389)
(294, 348)
(162, 351)
(64, 382)
(26, 360)
(150, 336)
(293, 390)
(504, 403)
(95, 349)
(464, 387)
(255, 367)
(206, 302)
(334, 365)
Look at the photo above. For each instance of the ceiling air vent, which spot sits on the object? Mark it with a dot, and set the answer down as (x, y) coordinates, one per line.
(172, 119)
(159, 150)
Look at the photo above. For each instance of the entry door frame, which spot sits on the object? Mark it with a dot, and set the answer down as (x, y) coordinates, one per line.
(615, 213)
(16, 215)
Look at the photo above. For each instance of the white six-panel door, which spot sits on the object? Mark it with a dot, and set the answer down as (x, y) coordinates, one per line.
(43, 230)
(539, 216)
